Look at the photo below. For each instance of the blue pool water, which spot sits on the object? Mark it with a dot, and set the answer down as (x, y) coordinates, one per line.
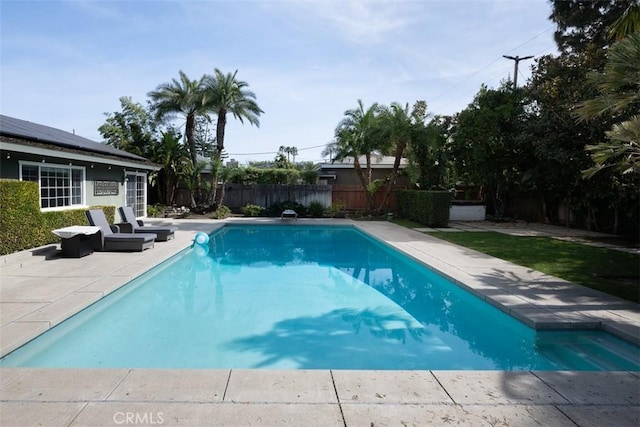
(307, 297)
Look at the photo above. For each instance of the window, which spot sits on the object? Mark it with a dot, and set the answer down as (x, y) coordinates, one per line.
(60, 186)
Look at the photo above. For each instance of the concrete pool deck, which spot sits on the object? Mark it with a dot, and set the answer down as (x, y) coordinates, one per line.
(38, 291)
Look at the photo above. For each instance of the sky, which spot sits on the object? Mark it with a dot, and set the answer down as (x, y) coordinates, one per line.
(65, 64)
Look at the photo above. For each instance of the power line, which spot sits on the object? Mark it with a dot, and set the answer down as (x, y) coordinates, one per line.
(446, 91)
(274, 152)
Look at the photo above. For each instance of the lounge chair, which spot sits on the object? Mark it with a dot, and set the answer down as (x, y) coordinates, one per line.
(111, 238)
(131, 225)
(289, 213)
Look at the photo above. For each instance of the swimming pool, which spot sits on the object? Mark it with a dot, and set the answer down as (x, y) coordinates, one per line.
(307, 297)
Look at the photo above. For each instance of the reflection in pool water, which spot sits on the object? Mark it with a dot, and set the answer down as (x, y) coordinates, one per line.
(307, 297)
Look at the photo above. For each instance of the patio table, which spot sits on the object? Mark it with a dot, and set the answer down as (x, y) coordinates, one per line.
(77, 240)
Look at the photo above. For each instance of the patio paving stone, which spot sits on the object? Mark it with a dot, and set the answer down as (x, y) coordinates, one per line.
(63, 308)
(23, 414)
(388, 387)
(594, 388)
(209, 414)
(495, 387)
(49, 385)
(10, 311)
(454, 415)
(275, 386)
(602, 415)
(186, 385)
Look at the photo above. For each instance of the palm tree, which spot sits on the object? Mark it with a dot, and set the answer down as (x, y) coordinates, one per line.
(294, 152)
(626, 24)
(398, 125)
(355, 136)
(619, 89)
(191, 175)
(224, 93)
(171, 154)
(184, 97)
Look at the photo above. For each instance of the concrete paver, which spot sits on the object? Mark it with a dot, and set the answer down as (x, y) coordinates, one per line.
(388, 387)
(193, 385)
(276, 386)
(32, 283)
(494, 387)
(209, 414)
(454, 415)
(595, 388)
(602, 415)
(21, 414)
(56, 385)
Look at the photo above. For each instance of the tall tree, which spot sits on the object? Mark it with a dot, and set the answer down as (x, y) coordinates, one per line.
(224, 93)
(584, 22)
(398, 126)
(626, 24)
(429, 155)
(358, 135)
(487, 143)
(133, 129)
(171, 154)
(585, 36)
(618, 88)
(184, 97)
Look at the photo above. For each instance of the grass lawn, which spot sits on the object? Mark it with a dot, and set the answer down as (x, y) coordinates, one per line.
(614, 272)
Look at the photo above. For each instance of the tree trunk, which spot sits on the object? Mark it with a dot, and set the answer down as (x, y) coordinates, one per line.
(400, 147)
(220, 126)
(216, 164)
(363, 181)
(189, 131)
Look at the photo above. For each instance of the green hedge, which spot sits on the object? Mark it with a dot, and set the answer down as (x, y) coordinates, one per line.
(430, 208)
(252, 175)
(24, 226)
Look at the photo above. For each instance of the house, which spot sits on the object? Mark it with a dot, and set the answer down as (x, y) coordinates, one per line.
(342, 172)
(73, 172)
(346, 186)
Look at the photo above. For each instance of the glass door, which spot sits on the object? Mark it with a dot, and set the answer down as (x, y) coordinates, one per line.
(136, 196)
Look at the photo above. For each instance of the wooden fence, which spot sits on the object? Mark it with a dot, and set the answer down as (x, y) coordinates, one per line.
(238, 195)
(353, 197)
(349, 197)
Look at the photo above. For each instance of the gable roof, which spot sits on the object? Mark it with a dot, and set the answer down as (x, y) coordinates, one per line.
(37, 133)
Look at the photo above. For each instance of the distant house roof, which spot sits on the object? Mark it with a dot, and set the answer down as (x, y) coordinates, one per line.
(44, 136)
(377, 162)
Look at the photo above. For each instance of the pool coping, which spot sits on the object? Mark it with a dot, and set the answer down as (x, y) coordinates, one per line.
(539, 300)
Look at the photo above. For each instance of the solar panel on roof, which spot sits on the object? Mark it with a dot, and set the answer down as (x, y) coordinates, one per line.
(21, 128)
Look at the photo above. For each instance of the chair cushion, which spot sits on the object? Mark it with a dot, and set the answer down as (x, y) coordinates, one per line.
(126, 237)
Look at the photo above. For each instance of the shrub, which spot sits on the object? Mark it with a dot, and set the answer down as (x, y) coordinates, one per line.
(430, 208)
(156, 211)
(316, 209)
(24, 226)
(253, 210)
(337, 208)
(21, 223)
(252, 175)
(221, 213)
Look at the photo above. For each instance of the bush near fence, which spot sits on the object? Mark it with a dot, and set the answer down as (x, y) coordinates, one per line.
(430, 208)
(24, 226)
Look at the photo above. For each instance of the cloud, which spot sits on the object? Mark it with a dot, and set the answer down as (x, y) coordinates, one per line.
(307, 61)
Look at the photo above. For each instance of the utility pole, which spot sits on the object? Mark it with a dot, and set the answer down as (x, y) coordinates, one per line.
(517, 59)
